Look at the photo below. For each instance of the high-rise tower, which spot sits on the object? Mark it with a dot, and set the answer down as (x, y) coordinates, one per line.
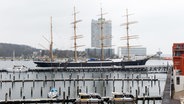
(96, 33)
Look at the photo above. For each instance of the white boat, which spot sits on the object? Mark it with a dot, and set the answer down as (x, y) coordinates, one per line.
(85, 98)
(53, 93)
(124, 98)
(17, 68)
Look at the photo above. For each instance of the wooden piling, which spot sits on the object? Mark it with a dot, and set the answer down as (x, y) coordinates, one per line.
(31, 91)
(9, 93)
(63, 97)
(67, 98)
(153, 101)
(132, 82)
(148, 91)
(61, 75)
(142, 82)
(107, 79)
(33, 83)
(158, 82)
(95, 89)
(19, 75)
(23, 83)
(69, 91)
(11, 83)
(83, 82)
(130, 89)
(1, 84)
(92, 75)
(143, 101)
(70, 77)
(27, 76)
(93, 83)
(122, 89)
(113, 89)
(20, 91)
(6, 97)
(103, 83)
(77, 79)
(53, 75)
(84, 75)
(64, 83)
(113, 82)
(86, 89)
(159, 90)
(43, 83)
(145, 90)
(59, 91)
(36, 76)
(13, 78)
(122, 84)
(74, 83)
(77, 90)
(136, 92)
(104, 91)
(41, 91)
(155, 80)
(54, 83)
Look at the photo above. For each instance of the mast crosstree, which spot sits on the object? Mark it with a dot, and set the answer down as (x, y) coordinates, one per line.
(75, 36)
(128, 37)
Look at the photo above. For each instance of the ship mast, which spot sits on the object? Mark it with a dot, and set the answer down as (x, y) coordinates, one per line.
(75, 43)
(51, 40)
(75, 37)
(128, 37)
(127, 30)
(101, 36)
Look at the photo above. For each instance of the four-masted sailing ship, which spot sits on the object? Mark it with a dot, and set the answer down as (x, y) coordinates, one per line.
(94, 63)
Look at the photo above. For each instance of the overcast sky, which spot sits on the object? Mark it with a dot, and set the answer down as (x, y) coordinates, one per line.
(160, 22)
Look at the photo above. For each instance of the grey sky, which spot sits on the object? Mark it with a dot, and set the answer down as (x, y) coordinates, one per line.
(160, 22)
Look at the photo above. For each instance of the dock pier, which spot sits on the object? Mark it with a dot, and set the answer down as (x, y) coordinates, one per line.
(105, 79)
(148, 68)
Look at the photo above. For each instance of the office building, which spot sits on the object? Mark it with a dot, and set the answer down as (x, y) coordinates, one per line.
(133, 51)
(96, 33)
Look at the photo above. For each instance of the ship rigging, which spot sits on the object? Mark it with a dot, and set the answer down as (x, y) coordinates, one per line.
(128, 36)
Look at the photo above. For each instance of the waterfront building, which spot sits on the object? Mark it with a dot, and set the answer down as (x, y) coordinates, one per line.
(96, 29)
(96, 52)
(178, 72)
(141, 51)
(96, 33)
(178, 65)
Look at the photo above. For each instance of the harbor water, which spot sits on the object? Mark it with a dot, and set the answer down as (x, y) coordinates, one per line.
(34, 89)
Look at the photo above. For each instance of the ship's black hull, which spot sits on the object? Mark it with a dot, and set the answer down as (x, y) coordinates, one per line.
(91, 63)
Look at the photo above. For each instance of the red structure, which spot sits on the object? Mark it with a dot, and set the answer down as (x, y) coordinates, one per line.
(178, 57)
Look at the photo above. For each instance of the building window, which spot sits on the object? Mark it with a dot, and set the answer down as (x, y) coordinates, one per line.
(177, 80)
